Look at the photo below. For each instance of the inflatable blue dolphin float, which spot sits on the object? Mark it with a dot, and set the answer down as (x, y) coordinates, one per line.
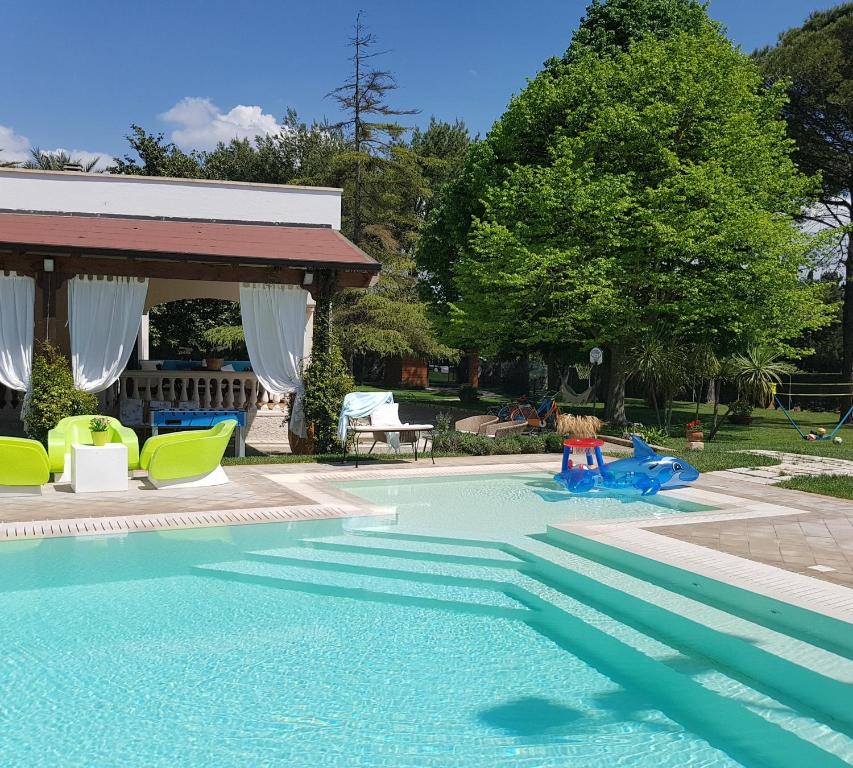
(646, 471)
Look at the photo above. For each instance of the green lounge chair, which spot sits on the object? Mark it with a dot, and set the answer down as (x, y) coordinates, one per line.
(187, 459)
(24, 467)
(74, 430)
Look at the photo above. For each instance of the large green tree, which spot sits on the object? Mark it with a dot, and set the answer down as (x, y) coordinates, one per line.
(625, 191)
(815, 63)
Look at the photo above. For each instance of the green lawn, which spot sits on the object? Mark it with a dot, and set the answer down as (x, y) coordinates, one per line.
(840, 486)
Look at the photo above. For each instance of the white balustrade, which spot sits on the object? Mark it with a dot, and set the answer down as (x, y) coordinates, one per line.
(207, 390)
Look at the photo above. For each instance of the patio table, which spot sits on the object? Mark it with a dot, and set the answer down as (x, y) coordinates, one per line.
(419, 429)
(99, 469)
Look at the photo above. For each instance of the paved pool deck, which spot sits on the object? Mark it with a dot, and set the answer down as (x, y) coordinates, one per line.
(798, 546)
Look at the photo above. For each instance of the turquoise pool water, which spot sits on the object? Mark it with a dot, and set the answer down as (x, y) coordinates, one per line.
(330, 644)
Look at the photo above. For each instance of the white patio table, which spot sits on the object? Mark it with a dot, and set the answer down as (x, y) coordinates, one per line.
(99, 469)
(418, 429)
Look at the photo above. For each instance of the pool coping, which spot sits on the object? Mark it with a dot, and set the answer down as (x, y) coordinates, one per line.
(637, 537)
(633, 535)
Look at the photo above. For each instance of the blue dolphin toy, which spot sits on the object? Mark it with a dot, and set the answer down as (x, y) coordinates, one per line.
(646, 471)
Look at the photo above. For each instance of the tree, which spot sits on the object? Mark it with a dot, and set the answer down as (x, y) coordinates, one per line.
(57, 161)
(388, 187)
(298, 154)
(185, 325)
(629, 190)
(524, 135)
(360, 98)
(156, 157)
(815, 64)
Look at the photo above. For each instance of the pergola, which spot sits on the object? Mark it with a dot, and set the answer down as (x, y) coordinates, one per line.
(189, 238)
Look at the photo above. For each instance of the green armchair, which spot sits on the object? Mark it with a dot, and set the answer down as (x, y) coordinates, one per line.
(187, 459)
(74, 430)
(24, 467)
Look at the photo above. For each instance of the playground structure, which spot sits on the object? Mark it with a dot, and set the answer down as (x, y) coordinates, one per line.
(646, 471)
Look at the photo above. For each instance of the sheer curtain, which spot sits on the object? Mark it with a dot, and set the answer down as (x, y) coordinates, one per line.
(17, 300)
(274, 318)
(104, 315)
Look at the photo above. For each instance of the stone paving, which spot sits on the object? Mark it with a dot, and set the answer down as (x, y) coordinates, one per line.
(248, 489)
(791, 464)
(816, 541)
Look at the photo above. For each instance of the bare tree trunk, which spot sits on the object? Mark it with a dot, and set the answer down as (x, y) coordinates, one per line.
(614, 410)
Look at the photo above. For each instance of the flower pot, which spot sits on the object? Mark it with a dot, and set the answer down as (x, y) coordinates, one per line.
(100, 438)
(695, 435)
(302, 446)
(214, 363)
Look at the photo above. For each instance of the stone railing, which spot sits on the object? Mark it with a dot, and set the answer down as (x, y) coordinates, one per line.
(208, 390)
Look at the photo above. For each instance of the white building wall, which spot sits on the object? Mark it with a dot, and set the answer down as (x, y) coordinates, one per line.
(93, 193)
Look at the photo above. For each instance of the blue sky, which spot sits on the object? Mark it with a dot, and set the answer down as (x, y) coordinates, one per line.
(78, 73)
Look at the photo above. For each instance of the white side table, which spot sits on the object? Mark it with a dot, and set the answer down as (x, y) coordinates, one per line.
(97, 469)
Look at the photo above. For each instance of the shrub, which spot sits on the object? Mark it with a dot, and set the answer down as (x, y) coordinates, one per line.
(449, 441)
(326, 382)
(52, 395)
(469, 394)
(741, 409)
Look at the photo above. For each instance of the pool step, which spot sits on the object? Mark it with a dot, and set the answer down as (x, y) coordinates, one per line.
(615, 648)
(367, 586)
(418, 548)
(781, 664)
(376, 563)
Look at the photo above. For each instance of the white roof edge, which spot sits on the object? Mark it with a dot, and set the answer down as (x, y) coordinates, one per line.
(117, 177)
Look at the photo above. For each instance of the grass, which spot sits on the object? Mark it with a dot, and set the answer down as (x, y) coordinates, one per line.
(714, 460)
(840, 486)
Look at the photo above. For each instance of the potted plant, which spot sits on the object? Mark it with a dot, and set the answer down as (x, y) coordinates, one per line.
(100, 429)
(223, 340)
(694, 431)
(740, 412)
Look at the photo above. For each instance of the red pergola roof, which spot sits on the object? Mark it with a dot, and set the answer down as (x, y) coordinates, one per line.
(269, 244)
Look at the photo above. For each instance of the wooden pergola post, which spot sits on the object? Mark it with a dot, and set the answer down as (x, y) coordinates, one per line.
(323, 289)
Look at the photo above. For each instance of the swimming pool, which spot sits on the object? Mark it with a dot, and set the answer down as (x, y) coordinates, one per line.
(435, 637)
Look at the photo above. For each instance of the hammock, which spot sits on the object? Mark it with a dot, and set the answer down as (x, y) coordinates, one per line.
(569, 395)
(796, 426)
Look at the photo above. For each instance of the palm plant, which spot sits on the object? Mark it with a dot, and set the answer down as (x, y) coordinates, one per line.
(756, 372)
(659, 364)
(57, 161)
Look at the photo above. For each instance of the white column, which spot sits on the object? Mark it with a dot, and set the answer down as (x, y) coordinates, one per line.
(142, 348)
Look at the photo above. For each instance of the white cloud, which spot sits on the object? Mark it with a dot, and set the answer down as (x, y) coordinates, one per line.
(200, 124)
(15, 148)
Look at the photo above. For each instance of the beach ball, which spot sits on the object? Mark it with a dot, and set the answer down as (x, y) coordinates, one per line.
(838, 440)
(821, 431)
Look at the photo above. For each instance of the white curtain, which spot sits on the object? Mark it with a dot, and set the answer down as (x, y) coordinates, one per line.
(17, 300)
(274, 318)
(104, 315)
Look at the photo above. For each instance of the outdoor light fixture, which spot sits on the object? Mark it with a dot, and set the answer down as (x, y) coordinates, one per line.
(308, 279)
(48, 265)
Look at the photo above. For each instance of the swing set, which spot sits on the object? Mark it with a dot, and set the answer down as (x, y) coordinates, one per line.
(787, 411)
